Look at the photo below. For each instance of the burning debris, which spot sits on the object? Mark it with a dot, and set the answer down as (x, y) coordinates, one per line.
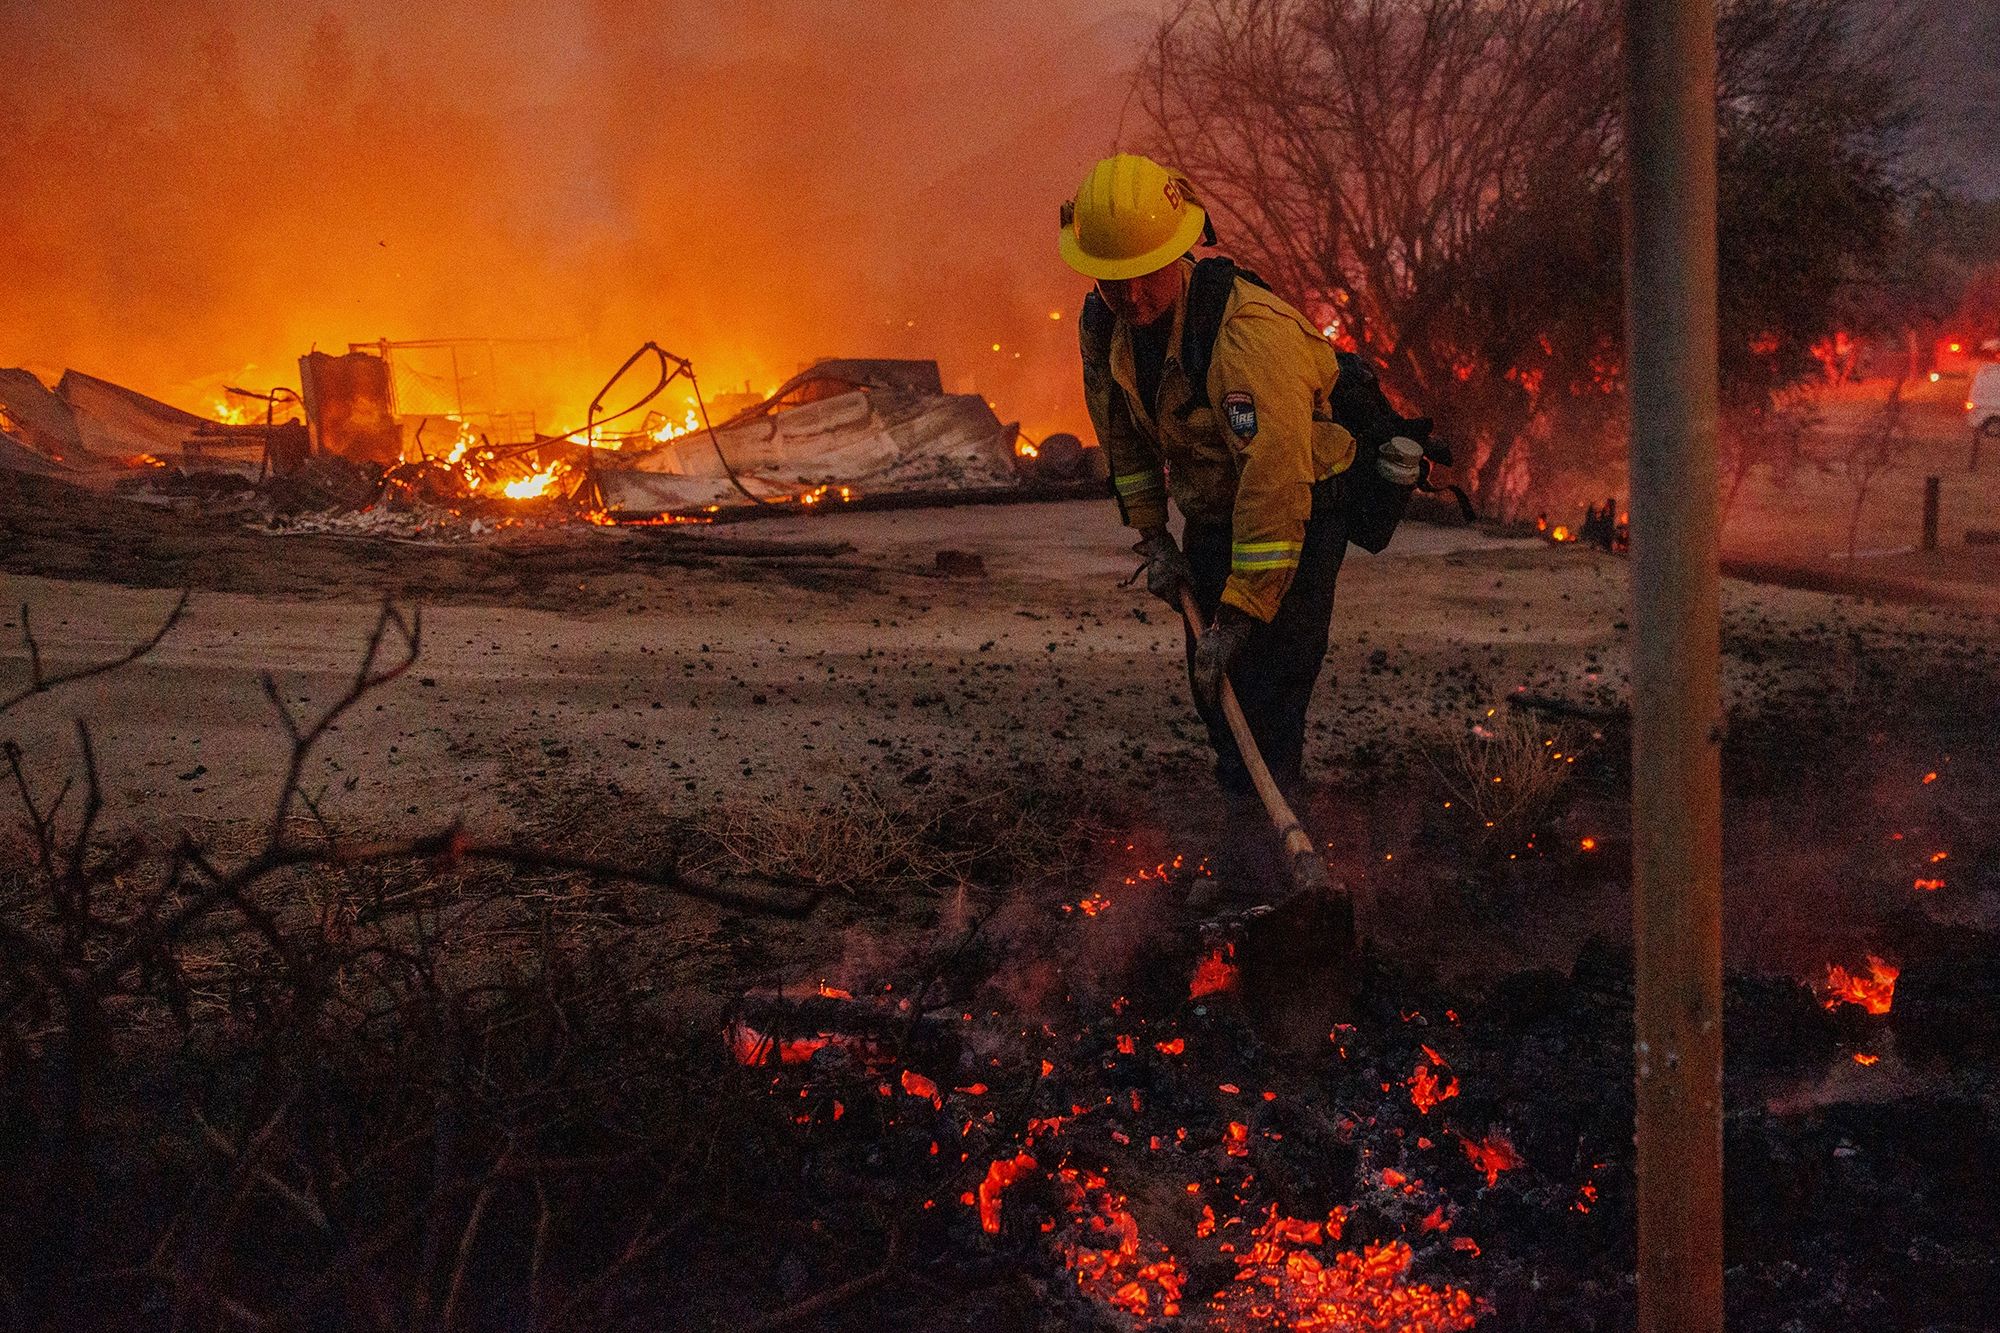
(1151, 1181)
(1875, 992)
(1603, 526)
(346, 454)
(828, 434)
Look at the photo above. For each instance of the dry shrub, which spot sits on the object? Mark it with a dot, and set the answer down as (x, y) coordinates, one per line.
(959, 828)
(1508, 767)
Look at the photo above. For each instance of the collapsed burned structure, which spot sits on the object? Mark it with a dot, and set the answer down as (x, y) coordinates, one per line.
(832, 429)
(344, 450)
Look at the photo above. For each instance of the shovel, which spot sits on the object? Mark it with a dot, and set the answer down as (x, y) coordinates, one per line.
(1298, 952)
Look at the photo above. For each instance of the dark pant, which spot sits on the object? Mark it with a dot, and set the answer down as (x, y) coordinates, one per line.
(1275, 673)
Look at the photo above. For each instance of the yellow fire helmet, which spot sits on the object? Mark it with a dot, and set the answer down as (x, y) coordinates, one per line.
(1131, 216)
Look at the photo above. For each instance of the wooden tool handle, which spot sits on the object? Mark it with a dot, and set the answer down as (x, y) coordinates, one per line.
(1297, 843)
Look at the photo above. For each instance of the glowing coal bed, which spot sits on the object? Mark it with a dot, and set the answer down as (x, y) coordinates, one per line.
(1086, 1103)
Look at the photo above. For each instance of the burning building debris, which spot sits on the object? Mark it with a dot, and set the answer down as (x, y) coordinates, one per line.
(344, 453)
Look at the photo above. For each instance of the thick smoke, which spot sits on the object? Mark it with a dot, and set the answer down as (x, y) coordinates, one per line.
(200, 192)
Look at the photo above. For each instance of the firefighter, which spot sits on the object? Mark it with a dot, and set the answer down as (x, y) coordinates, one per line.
(1206, 388)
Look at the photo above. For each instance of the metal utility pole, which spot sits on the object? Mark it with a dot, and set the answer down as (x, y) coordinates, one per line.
(1676, 659)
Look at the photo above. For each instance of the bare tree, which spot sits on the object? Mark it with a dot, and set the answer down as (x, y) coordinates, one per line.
(1437, 181)
(1358, 154)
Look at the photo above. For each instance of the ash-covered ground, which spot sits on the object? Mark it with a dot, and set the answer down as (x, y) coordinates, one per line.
(589, 1101)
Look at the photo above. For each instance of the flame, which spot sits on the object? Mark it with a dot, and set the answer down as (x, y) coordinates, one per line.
(1864, 1059)
(232, 414)
(1930, 885)
(141, 460)
(1875, 992)
(1023, 449)
(669, 431)
(534, 485)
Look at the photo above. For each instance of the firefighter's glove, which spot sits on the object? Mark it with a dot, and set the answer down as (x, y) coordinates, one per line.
(1166, 570)
(1400, 461)
(1218, 650)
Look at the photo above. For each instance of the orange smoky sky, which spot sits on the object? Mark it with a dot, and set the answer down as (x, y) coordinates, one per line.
(197, 193)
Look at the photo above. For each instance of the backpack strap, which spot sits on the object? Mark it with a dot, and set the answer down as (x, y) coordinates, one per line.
(1207, 302)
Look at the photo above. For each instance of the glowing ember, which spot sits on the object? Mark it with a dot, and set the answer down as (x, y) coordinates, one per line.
(1427, 1090)
(1492, 1154)
(1174, 1047)
(918, 1086)
(1111, 1264)
(603, 518)
(751, 1047)
(1281, 1285)
(999, 1175)
(1874, 992)
(1214, 974)
(1864, 1059)
(1929, 885)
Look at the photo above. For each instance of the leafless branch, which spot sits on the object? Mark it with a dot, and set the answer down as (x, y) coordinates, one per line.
(370, 676)
(41, 683)
(304, 987)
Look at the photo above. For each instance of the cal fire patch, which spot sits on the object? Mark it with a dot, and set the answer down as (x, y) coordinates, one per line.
(1240, 409)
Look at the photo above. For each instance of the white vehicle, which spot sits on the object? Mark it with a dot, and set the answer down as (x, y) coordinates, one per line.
(1982, 401)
